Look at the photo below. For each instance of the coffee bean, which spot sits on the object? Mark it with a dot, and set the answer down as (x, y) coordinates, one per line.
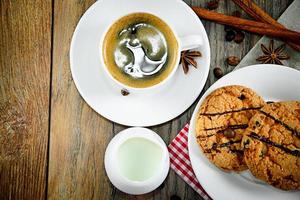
(233, 60)
(125, 92)
(211, 5)
(230, 35)
(239, 37)
(229, 133)
(218, 72)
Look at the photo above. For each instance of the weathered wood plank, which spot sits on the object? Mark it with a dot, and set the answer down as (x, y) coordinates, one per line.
(78, 135)
(25, 63)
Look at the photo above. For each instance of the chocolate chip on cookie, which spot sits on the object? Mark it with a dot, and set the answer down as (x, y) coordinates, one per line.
(242, 97)
(222, 120)
(229, 133)
(273, 153)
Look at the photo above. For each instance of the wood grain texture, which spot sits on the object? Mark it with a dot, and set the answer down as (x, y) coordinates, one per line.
(25, 62)
(78, 135)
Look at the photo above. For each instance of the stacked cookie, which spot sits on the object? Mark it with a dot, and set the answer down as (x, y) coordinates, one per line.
(237, 130)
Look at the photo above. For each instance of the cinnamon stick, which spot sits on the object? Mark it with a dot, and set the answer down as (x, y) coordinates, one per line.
(256, 12)
(259, 14)
(249, 25)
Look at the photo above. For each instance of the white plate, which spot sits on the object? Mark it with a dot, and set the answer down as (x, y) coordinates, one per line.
(272, 82)
(135, 109)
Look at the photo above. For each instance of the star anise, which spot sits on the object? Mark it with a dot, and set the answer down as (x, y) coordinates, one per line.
(188, 58)
(271, 55)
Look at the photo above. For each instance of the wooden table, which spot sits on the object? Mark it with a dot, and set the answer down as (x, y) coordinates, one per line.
(51, 142)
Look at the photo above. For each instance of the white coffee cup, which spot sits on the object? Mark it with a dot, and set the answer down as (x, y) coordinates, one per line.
(185, 42)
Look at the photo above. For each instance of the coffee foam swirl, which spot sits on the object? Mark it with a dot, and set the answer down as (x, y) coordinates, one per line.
(141, 50)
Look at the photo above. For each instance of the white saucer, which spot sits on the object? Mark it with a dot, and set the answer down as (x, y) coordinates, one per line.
(273, 83)
(135, 109)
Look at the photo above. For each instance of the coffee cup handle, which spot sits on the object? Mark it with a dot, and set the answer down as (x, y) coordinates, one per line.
(190, 42)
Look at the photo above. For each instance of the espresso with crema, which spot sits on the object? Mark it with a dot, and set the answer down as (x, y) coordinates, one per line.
(140, 50)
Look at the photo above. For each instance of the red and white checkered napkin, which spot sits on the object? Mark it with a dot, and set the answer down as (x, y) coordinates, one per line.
(180, 161)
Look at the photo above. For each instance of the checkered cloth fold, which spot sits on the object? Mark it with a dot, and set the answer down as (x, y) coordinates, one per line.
(180, 161)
